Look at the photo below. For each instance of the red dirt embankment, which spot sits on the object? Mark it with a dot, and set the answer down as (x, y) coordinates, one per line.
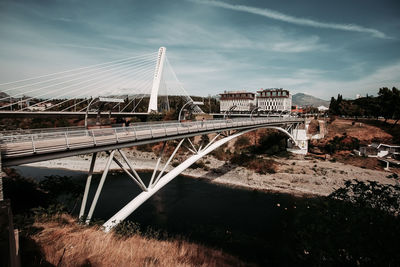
(364, 132)
(349, 130)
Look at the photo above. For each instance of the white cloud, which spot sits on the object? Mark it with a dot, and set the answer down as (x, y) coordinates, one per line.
(85, 47)
(171, 32)
(318, 83)
(297, 46)
(272, 14)
(387, 76)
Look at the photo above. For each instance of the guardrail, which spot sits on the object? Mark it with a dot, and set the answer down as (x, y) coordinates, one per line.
(41, 130)
(43, 142)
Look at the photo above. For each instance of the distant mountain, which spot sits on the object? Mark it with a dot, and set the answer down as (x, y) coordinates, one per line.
(303, 100)
(3, 95)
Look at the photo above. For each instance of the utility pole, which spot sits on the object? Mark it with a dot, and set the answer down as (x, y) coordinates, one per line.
(209, 102)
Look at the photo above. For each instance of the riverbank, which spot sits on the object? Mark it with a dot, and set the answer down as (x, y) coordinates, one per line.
(63, 242)
(297, 175)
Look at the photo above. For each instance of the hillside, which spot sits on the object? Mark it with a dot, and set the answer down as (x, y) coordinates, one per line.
(3, 95)
(303, 100)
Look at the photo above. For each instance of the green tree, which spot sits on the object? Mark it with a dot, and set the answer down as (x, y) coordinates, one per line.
(387, 104)
(396, 104)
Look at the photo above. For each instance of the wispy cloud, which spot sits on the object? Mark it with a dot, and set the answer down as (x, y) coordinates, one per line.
(272, 14)
(85, 47)
(318, 83)
(172, 32)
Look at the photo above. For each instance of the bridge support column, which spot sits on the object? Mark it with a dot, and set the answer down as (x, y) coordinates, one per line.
(133, 174)
(301, 147)
(9, 247)
(87, 187)
(100, 187)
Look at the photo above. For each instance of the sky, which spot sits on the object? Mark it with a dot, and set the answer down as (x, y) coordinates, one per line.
(316, 47)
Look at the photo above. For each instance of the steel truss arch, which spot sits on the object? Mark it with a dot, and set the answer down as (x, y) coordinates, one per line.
(161, 181)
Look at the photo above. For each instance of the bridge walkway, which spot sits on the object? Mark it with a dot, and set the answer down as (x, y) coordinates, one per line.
(20, 149)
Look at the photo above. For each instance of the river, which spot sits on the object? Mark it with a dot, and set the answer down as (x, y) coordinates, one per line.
(250, 224)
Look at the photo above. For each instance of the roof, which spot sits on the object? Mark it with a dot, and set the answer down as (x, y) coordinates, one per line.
(390, 146)
(376, 145)
(322, 108)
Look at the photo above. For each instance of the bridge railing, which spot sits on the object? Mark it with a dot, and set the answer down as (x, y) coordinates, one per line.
(154, 129)
(41, 130)
(54, 141)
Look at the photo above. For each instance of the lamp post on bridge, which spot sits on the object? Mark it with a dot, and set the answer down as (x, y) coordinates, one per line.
(191, 102)
(227, 112)
(87, 111)
(102, 100)
(254, 109)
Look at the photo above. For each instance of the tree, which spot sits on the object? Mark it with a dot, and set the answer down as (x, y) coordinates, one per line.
(386, 101)
(204, 139)
(333, 106)
(396, 104)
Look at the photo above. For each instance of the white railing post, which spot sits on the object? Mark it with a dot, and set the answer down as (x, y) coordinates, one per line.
(134, 131)
(94, 139)
(116, 135)
(33, 144)
(66, 140)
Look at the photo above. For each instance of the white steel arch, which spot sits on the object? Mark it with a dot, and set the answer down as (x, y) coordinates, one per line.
(162, 181)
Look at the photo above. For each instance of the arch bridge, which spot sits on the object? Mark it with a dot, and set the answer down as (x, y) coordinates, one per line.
(72, 92)
(19, 149)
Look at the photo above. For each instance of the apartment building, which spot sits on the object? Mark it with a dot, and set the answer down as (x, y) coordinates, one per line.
(244, 101)
(274, 99)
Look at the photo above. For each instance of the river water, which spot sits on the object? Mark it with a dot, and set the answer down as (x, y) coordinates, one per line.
(252, 225)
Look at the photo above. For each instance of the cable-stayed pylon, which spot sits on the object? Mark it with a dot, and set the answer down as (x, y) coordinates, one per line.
(133, 79)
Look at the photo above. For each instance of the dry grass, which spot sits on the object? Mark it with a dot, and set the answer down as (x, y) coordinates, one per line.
(89, 246)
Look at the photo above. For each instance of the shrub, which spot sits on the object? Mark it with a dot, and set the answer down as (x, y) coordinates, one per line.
(364, 226)
(219, 154)
(342, 143)
(204, 139)
(174, 163)
(242, 141)
(197, 165)
(271, 143)
(126, 229)
(259, 165)
(263, 166)
(145, 148)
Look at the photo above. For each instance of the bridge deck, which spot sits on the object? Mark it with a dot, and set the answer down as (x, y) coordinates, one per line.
(26, 148)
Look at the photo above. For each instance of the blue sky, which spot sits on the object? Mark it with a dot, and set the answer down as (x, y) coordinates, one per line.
(316, 47)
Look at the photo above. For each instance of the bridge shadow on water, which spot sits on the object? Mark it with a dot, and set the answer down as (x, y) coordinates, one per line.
(258, 227)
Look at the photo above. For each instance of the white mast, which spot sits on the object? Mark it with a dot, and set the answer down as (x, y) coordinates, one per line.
(157, 80)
